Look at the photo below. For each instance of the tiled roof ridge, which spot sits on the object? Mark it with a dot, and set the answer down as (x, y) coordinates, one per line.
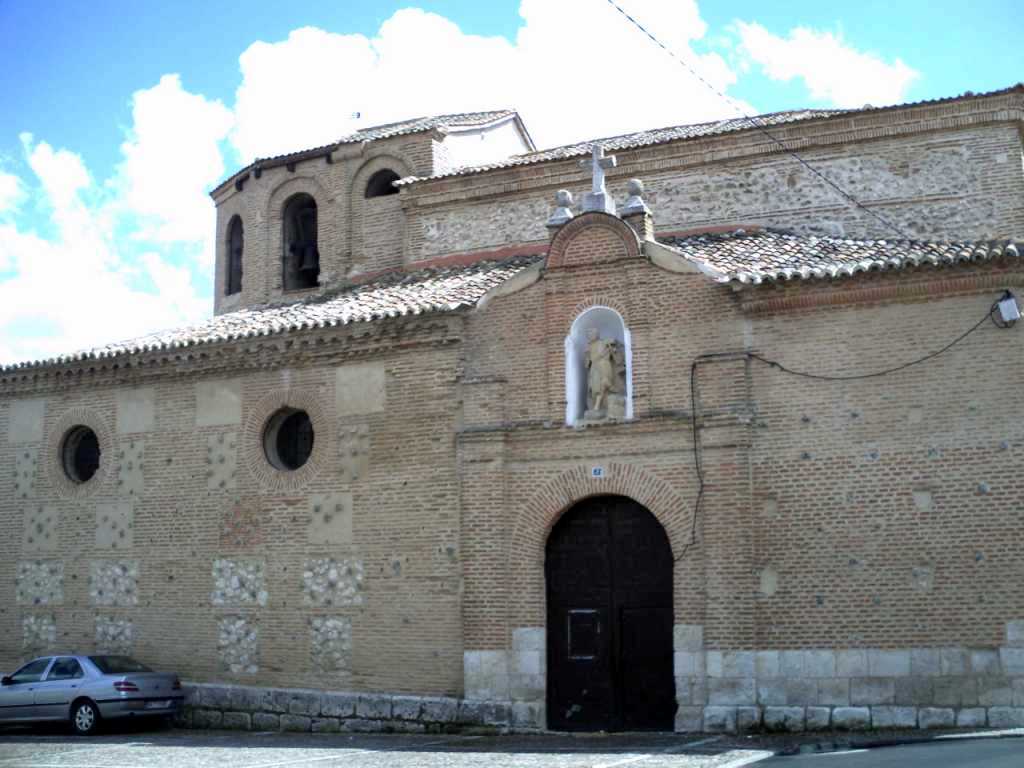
(663, 135)
(810, 111)
(425, 122)
(397, 276)
(399, 293)
(771, 254)
(375, 133)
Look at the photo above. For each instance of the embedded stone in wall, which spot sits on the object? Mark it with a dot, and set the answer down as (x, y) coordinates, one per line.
(359, 389)
(241, 524)
(39, 582)
(922, 577)
(114, 635)
(485, 675)
(769, 581)
(38, 632)
(40, 534)
(238, 582)
(218, 402)
(25, 424)
(114, 526)
(923, 499)
(129, 468)
(238, 645)
(222, 461)
(114, 583)
(354, 451)
(330, 518)
(135, 410)
(26, 460)
(331, 643)
(528, 664)
(326, 581)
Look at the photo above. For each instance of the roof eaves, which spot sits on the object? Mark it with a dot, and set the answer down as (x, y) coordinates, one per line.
(372, 133)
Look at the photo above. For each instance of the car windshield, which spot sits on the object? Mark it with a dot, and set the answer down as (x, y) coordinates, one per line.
(31, 672)
(117, 665)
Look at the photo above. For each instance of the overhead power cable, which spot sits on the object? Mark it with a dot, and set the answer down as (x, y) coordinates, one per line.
(698, 461)
(759, 125)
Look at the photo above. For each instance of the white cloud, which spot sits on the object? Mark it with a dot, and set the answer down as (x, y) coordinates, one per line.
(10, 192)
(832, 70)
(172, 159)
(100, 260)
(577, 69)
(80, 283)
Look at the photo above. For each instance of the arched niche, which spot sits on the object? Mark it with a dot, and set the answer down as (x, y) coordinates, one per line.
(587, 363)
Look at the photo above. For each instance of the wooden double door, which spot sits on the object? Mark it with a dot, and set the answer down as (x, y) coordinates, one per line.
(608, 567)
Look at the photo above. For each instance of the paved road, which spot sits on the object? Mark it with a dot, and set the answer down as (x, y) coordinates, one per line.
(219, 749)
(944, 753)
(137, 747)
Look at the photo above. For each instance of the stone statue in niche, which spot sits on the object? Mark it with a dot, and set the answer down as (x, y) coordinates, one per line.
(606, 378)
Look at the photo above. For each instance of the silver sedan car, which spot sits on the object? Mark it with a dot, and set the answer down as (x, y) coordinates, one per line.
(86, 689)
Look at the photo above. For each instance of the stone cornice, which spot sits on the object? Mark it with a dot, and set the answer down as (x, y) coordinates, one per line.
(677, 154)
(319, 346)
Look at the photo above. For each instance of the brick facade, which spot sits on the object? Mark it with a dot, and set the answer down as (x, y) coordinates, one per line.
(854, 560)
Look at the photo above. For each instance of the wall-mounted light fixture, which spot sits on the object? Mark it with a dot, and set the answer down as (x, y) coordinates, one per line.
(1009, 309)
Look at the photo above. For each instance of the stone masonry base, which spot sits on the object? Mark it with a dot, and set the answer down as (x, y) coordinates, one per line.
(239, 707)
(794, 719)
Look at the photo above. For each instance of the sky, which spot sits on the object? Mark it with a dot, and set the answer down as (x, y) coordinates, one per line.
(117, 118)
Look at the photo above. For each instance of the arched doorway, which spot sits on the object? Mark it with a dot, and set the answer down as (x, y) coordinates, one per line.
(608, 568)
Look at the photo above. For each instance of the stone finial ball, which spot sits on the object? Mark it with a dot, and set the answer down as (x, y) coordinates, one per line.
(635, 187)
(563, 198)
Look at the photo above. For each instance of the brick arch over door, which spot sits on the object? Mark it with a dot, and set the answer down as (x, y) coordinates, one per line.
(534, 520)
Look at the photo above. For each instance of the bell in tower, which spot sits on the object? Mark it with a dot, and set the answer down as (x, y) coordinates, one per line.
(302, 257)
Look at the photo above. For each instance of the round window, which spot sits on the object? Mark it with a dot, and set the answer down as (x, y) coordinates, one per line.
(80, 454)
(288, 439)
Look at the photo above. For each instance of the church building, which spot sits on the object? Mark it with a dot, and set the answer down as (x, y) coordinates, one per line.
(711, 428)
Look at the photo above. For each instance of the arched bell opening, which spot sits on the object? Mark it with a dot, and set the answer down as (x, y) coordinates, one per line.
(608, 573)
(301, 257)
(235, 246)
(382, 184)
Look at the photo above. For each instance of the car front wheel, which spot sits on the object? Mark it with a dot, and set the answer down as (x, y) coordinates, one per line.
(84, 718)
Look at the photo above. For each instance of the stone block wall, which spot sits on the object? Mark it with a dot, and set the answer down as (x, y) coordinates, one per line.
(848, 688)
(249, 708)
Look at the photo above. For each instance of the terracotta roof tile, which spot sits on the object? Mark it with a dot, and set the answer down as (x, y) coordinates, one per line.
(696, 130)
(394, 295)
(417, 124)
(639, 139)
(769, 256)
(373, 133)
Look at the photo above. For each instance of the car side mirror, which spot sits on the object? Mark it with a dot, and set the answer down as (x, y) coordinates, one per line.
(6, 680)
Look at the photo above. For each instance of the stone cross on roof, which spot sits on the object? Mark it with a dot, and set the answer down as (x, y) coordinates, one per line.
(598, 198)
